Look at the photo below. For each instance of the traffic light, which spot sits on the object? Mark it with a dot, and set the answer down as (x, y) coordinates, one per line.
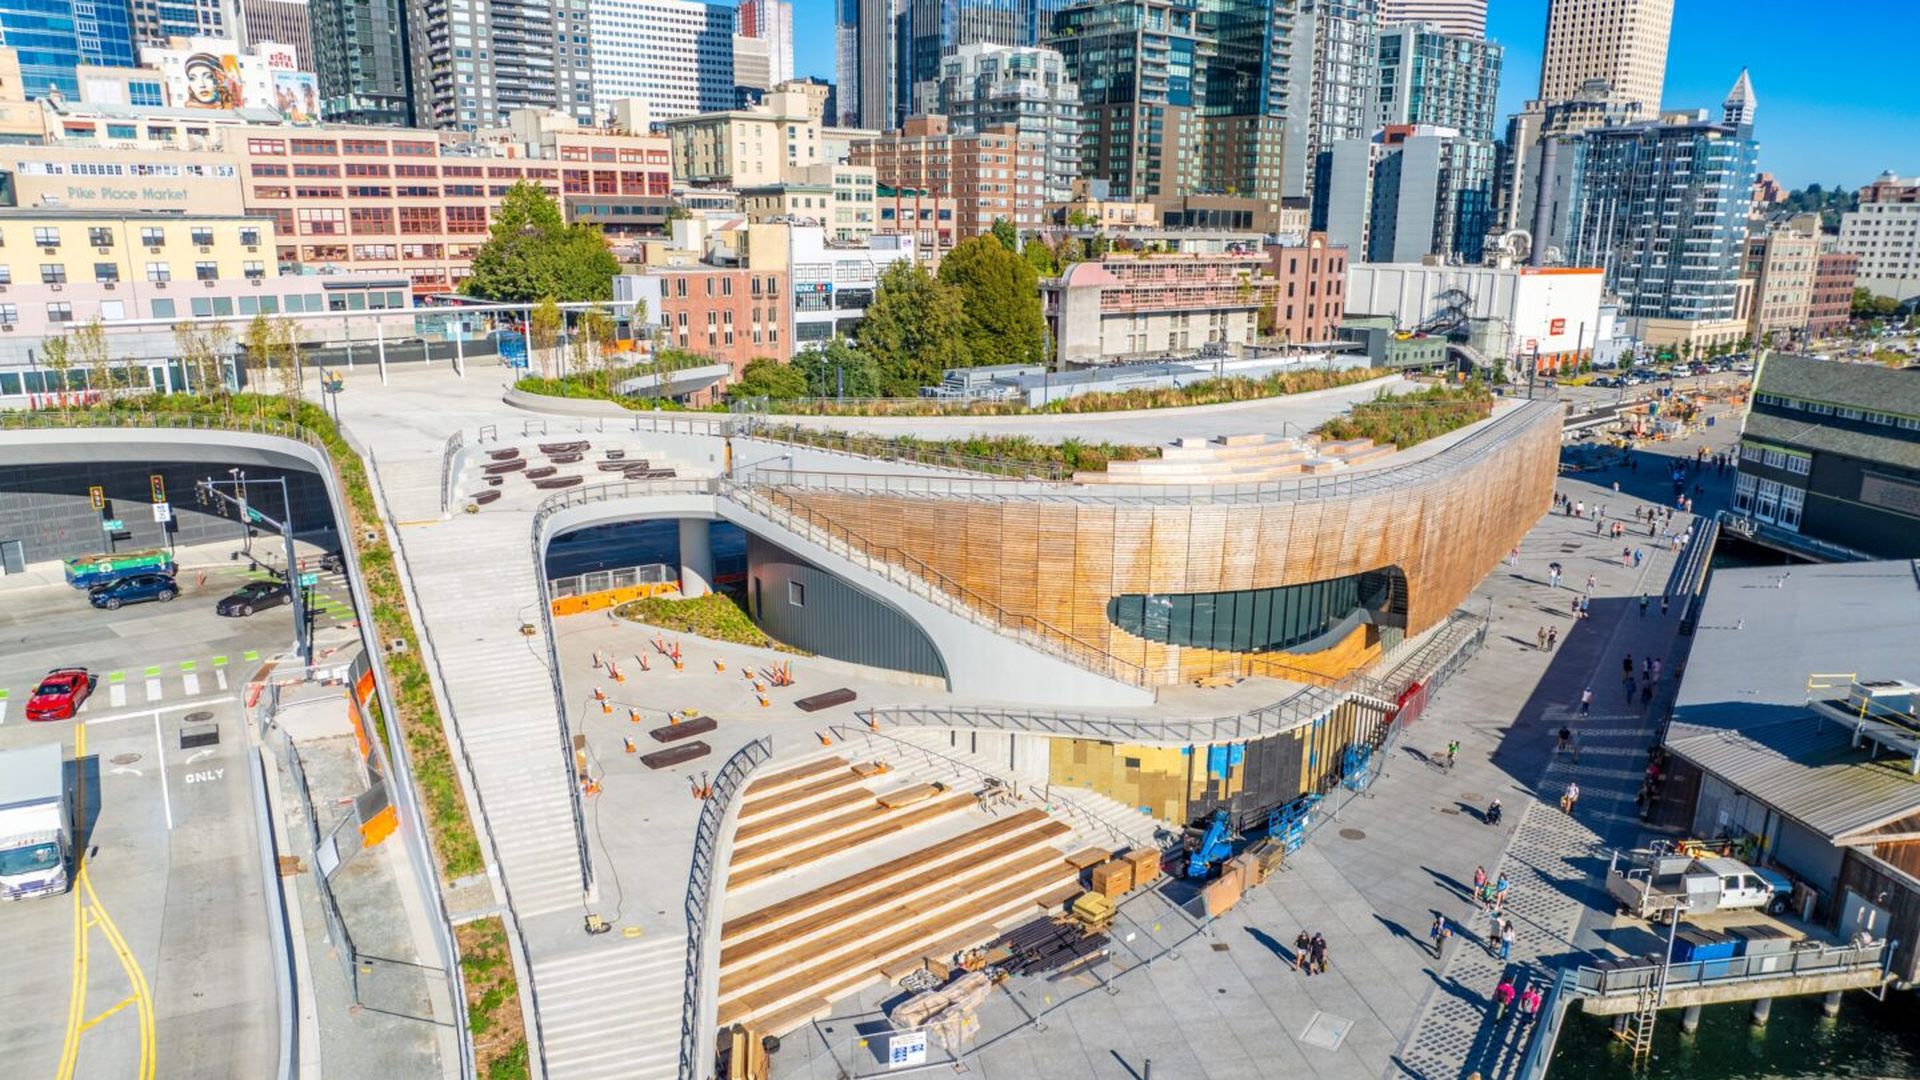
(159, 485)
(97, 495)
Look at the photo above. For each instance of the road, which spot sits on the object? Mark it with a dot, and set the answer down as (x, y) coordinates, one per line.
(156, 962)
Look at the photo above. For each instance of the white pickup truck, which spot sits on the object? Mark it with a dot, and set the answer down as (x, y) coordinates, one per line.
(1654, 885)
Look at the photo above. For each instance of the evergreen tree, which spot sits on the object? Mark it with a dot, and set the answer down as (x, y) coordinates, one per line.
(1004, 232)
(914, 329)
(1000, 300)
(835, 368)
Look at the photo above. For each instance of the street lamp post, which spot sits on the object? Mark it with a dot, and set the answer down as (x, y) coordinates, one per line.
(296, 592)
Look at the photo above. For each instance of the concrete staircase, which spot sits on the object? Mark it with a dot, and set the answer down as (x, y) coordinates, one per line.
(1240, 459)
(592, 1024)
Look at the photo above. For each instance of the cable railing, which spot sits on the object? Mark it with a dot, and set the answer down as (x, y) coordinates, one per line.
(703, 897)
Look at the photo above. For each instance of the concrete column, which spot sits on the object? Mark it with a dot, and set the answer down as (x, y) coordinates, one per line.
(1690, 1019)
(1620, 1023)
(696, 558)
(1762, 1009)
(1830, 1005)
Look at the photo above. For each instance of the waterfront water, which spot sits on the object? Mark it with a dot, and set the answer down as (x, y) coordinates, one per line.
(1867, 1040)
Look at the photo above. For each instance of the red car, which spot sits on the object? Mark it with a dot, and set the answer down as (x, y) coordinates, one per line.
(59, 695)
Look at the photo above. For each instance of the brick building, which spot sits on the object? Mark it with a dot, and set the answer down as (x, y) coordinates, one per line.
(1311, 284)
(1833, 282)
(997, 173)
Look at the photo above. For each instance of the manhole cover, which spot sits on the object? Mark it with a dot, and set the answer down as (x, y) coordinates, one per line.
(1352, 834)
(125, 759)
(198, 717)
(1326, 1030)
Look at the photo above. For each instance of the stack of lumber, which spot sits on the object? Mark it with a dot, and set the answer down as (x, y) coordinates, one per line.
(786, 962)
(1112, 878)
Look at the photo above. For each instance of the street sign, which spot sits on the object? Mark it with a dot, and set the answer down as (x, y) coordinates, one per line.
(98, 496)
(254, 516)
(308, 581)
(162, 512)
(114, 525)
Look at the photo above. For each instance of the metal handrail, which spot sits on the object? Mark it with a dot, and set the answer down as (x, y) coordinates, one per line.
(703, 887)
(447, 478)
(1546, 1033)
(1825, 959)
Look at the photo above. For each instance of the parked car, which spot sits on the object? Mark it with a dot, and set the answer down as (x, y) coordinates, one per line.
(252, 597)
(334, 562)
(60, 694)
(132, 590)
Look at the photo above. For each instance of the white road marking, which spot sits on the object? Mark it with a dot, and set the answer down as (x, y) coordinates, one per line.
(199, 755)
(153, 689)
(144, 713)
(160, 750)
(193, 683)
(220, 676)
(3, 710)
(205, 777)
(124, 771)
(117, 695)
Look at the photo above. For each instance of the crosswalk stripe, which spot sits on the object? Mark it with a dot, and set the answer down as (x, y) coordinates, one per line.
(193, 684)
(117, 695)
(153, 689)
(220, 676)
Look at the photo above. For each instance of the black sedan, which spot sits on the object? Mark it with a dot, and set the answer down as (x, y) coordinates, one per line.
(252, 597)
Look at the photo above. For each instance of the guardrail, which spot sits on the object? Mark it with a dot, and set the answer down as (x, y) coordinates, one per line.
(602, 580)
(705, 880)
(1546, 1033)
(1630, 977)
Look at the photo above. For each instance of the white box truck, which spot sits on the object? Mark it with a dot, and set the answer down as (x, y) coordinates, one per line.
(36, 823)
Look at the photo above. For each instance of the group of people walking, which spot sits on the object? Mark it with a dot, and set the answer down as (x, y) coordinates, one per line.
(1310, 953)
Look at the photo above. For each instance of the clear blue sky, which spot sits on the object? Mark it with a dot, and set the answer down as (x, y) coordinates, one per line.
(1839, 97)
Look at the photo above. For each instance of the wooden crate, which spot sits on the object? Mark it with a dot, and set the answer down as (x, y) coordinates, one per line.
(1146, 865)
(1113, 878)
(1087, 857)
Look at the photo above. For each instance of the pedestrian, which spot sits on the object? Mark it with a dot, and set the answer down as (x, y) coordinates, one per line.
(1530, 1000)
(1553, 637)
(1573, 608)
(1598, 525)
(1553, 575)
(1638, 554)
(1493, 812)
(1438, 933)
(1643, 596)
(1626, 666)
(1626, 557)
(1540, 638)
(1586, 603)
(1513, 557)
(1302, 944)
(1656, 669)
(1571, 797)
(1586, 701)
(1453, 748)
(1320, 953)
(1506, 939)
(1500, 887)
(1646, 692)
(1664, 598)
(1590, 584)
(1566, 739)
(1616, 487)
(1627, 687)
(1580, 509)
(1502, 997)
(1479, 879)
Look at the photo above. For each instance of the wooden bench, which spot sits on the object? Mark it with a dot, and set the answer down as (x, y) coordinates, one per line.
(564, 459)
(940, 951)
(772, 782)
(830, 806)
(540, 473)
(558, 482)
(741, 926)
(482, 498)
(503, 455)
(825, 701)
(859, 916)
(685, 729)
(773, 985)
(510, 465)
(563, 447)
(1087, 857)
(794, 796)
(907, 796)
(891, 821)
(675, 755)
(792, 1017)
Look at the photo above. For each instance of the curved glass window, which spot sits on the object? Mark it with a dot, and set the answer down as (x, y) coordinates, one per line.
(1251, 620)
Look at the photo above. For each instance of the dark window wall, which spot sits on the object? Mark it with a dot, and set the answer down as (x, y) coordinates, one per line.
(1250, 620)
(802, 605)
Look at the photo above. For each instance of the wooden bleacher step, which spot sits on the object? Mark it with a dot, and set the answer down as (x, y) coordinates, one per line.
(780, 854)
(753, 922)
(773, 782)
(792, 796)
(817, 809)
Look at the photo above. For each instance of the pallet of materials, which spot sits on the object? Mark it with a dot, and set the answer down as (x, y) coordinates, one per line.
(1087, 857)
(1112, 878)
(1146, 865)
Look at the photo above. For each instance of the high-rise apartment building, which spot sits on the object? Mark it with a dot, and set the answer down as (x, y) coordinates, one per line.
(985, 176)
(360, 61)
(1464, 17)
(984, 86)
(1662, 206)
(769, 22)
(1410, 192)
(473, 65)
(281, 21)
(846, 61)
(154, 21)
(1428, 76)
(1885, 233)
(675, 55)
(1138, 64)
(1333, 68)
(887, 46)
(878, 98)
(1622, 43)
(53, 37)
(1247, 49)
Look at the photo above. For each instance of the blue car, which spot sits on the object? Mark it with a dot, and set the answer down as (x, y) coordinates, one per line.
(133, 589)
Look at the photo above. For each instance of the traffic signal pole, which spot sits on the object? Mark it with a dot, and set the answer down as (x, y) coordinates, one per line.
(296, 591)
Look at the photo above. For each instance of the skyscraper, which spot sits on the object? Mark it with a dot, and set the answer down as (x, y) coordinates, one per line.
(1622, 43)
(472, 65)
(676, 55)
(1662, 207)
(846, 62)
(770, 21)
(154, 21)
(1025, 88)
(52, 37)
(360, 61)
(281, 21)
(1245, 96)
(1333, 67)
(1431, 77)
(1465, 17)
(1137, 63)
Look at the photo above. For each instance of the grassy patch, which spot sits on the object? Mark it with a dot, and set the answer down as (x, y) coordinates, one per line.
(1007, 455)
(493, 1000)
(716, 616)
(1410, 419)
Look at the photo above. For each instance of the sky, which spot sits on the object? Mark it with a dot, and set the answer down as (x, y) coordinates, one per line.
(1839, 100)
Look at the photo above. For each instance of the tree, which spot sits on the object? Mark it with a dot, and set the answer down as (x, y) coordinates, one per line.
(1000, 300)
(592, 346)
(543, 328)
(914, 329)
(57, 354)
(201, 352)
(1040, 257)
(1004, 232)
(90, 352)
(769, 378)
(1868, 306)
(835, 368)
(532, 254)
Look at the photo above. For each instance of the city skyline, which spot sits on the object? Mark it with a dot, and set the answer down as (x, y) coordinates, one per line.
(1837, 124)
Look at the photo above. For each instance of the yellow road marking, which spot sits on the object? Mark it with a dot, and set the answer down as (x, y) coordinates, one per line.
(123, 1003)
(88, 912)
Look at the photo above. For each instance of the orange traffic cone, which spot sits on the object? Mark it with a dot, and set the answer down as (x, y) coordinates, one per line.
(824, 741)
(719, 664)
(764, 703)
(614, 670)
(630, 747)
(633, 716)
